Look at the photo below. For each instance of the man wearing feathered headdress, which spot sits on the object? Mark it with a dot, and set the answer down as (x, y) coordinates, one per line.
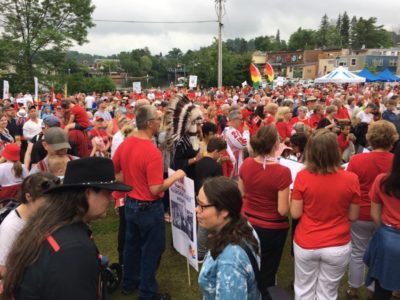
(183, 122)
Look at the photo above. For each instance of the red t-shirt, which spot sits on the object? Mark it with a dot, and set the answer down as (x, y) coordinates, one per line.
(326, 201)
(142, 166)
(314, 120)
(80, 116)
(100, 133)
(284, 129)
(295, 120)
(343, 142)
(81, 140)
(260, 202)
(342, 114)
(390, 204)
(367, 166)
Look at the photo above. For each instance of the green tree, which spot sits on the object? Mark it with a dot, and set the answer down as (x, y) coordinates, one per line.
(262, 43)
(38, 25)
(303, 39)
(370, 35)
(323, 31)
(345, 30)
(353, 31)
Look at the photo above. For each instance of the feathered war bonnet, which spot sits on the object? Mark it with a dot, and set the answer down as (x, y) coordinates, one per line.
(181, 118)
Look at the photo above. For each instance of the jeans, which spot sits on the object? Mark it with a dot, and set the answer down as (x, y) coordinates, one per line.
(361, 233)
(121, 234)
(144, 245)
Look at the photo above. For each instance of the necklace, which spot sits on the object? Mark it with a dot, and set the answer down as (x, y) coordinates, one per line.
(266, 158)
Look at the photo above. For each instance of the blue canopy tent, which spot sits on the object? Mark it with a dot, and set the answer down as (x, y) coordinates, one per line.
(387, 76)
(369, 77)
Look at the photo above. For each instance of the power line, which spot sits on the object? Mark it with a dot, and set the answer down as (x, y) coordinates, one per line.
(155, 22)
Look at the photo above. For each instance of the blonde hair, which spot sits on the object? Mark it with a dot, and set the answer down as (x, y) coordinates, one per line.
(127, 130)
(382, 134)
(281, 111)
(271, 108)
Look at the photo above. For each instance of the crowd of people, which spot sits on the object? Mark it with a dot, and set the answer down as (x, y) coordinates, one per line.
(63, 160)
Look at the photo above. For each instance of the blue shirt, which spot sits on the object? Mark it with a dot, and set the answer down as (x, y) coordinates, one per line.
(229, 277)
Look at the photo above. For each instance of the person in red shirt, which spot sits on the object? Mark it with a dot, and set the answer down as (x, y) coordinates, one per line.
(381, 136)
(325, 198)
(78, 117)
(383, 253)
(139, 162)
(301, 117)
(285, 129)
(346, 142)
(342, 112)
(99, 138)
(265, 186)
(270, 111)
(316, 116)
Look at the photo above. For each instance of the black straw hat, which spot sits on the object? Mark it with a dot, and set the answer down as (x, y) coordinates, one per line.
(95, 172)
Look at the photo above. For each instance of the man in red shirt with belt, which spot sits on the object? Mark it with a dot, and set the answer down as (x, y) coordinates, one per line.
(139, 162)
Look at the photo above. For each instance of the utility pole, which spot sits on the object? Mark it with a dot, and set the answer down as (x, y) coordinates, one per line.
(219, 10)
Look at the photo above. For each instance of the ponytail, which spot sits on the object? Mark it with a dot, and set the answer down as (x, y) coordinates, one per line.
(17, 168)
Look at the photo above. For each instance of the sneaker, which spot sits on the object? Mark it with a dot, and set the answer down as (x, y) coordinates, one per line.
(161, 297)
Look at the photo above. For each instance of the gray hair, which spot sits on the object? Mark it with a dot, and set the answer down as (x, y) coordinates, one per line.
(235, 114)
(143, 114)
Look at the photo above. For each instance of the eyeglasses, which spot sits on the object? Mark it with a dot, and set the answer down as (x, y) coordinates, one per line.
(202, 207)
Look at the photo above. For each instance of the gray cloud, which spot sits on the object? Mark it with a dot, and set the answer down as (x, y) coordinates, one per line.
(246, 19)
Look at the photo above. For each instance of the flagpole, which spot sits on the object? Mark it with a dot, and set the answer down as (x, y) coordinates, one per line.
(219, 14)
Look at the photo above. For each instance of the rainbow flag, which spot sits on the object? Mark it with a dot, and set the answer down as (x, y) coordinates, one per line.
(269, 72)
(255, 75)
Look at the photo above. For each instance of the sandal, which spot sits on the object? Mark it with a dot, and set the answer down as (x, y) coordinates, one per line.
(351, 295)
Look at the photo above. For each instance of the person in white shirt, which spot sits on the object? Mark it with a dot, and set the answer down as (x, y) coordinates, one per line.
(31, 199)
(33, 126)
(236, 141)
(366, 116)
(89, 100)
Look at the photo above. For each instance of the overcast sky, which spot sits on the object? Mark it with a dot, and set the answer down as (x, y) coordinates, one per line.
(243, 18)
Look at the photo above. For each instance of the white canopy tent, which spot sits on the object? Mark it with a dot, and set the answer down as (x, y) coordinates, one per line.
(340, 75)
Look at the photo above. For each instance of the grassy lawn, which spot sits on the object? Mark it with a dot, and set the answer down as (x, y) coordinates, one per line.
(172, 274)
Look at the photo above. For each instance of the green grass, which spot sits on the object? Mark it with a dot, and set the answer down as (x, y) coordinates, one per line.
(172, 274)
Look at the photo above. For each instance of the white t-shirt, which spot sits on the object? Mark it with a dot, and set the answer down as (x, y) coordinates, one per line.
(89, 102)
(117, 139)
(365, 118)
(9, 230)
(32, 128)
(7, 176)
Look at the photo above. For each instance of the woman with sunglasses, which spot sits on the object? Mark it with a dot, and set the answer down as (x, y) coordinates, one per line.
(227, 271)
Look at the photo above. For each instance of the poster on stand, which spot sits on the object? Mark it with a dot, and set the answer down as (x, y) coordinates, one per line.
(137, 87)
(183, 214)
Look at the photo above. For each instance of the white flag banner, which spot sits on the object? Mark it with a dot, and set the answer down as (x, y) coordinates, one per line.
(137, 87)
(6, 89)
(244, 83)
(36, 88)
(184, 233)
(192, 81)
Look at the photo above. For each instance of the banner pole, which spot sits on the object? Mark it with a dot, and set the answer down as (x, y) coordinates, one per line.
(188, 271)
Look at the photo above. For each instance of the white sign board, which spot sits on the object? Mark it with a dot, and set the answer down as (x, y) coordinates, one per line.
(192, 81)
(137, 87)
(184, 233)
(6, 89)
(294, 166)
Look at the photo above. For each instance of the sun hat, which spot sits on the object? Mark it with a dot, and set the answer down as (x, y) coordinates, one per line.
(11, 152)
(57, 138)
(97, 172)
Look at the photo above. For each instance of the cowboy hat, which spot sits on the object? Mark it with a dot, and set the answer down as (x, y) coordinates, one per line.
(97, 172)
